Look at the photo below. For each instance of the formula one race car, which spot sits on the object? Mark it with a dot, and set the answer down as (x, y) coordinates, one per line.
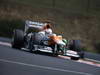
(33, 39)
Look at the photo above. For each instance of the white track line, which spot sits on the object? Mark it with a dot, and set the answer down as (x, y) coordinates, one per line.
(43, 67)
(5, 43)
(92, 60)
(89, 62)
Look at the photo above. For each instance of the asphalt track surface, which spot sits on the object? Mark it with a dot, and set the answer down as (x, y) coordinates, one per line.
(21, 62)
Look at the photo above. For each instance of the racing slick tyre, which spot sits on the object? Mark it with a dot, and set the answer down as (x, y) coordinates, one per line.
(18, 39)
(75, 45)
(74, 58)
(81, 54)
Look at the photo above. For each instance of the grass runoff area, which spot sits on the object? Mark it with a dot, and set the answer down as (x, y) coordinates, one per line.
(73, 19)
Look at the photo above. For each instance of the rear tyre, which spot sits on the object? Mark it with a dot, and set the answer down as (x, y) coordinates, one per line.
(18, 39)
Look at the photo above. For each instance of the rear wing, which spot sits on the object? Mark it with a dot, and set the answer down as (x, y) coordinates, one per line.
(27, 22)
(33, 26)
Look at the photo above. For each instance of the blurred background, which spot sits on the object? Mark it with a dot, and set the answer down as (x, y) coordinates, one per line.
(73, 19)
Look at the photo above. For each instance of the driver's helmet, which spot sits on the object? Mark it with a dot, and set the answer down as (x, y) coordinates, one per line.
(48, 31)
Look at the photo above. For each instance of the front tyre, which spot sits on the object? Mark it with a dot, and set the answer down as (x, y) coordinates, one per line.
(74, 58)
